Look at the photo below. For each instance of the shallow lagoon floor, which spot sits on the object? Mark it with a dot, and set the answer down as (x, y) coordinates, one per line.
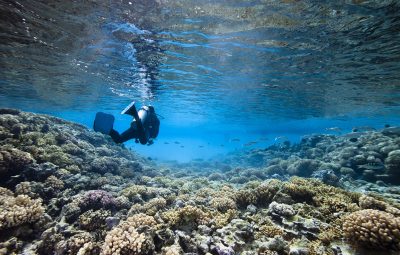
(68, 190)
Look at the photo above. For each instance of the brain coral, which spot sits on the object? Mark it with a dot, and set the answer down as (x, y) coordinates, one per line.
(18, 210)
(374, 229)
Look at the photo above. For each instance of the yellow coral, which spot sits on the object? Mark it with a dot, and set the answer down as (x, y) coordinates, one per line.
(134, 190)
(152, 207)
(15, 211)
(141, 219)
(54, 182)
(186, 215)
(172, 250)
(267, 190)
(222, 219)
(367, 202)
(372, 228)
(125, 238)
(270, 231)
(245, 197)
(223, 204)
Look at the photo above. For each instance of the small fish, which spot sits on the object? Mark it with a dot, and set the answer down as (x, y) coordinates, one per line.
(201, 146)
(182, 146)
(334, 129)
(352, 135)
(221, 145)
(372, 166)
(391, 131)
(281, 138)
(166, 142)
(363, 129)
(235, 140)
(250, 143)
(176, 142)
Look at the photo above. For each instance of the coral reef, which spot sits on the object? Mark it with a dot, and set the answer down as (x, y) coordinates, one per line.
(67, 190)
(373, 228)
(18, 210)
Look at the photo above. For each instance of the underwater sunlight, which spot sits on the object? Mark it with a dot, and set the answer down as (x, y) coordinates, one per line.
(258, 127)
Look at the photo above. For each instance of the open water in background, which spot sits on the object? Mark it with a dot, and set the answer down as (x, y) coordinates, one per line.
(217, 71)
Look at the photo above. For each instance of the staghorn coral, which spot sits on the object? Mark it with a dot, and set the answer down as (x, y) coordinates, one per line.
(374, 229)
(15, 211)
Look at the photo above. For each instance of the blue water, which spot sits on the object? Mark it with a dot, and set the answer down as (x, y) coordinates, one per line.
(222, 74)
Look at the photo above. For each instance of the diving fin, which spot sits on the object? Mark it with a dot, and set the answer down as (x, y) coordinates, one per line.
(130, 110)
(103, 123)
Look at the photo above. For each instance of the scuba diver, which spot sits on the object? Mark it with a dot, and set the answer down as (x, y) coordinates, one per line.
(144, 126)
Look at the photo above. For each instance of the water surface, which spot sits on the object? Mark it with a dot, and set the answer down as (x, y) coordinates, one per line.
(217, 71)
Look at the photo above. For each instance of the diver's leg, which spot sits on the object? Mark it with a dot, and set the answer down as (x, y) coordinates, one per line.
(115, 136)
(125, 136)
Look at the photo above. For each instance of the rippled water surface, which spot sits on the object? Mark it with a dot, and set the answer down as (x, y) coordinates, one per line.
(215, 70)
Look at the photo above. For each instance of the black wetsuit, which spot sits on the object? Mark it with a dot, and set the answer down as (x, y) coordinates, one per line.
(151, 126)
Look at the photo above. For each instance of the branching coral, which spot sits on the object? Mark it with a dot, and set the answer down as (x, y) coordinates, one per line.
(222, 219)
(372, 228)
(172, 250)
(96, 199)
(328, 199)
(368, 202)
(141, 219)
(151, 208)
(223, 204)
(186, 215)
(74, 244)
(126, 239)
(245, 197)
(94, 220)
(269, 231)
(18, 210)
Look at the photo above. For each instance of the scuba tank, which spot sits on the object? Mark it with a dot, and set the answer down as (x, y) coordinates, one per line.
(146, 121)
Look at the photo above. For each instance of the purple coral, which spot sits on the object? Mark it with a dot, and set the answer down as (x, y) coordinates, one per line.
(95, 199)
(223, 250)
